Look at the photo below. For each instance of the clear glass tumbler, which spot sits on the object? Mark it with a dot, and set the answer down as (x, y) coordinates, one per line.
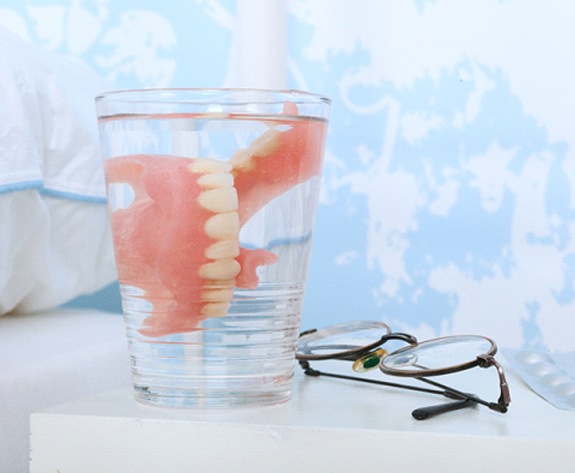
(212, 196)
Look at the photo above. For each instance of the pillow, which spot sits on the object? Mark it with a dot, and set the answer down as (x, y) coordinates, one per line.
(55, 241)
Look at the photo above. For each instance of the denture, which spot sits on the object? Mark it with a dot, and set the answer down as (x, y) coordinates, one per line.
(188, 267)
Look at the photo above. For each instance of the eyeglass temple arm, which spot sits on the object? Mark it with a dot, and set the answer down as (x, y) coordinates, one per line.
(486, 361)
(423, 413)
(309, 371)
(419, 414)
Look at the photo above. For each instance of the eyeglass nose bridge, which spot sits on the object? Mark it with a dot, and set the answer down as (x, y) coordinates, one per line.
(405, 337)
(366, 361)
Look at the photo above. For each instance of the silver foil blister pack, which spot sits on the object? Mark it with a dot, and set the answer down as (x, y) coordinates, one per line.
(551, 375)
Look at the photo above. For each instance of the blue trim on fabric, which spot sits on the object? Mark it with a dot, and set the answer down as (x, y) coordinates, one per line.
(38, 185)
(92, 199)
(20, 186)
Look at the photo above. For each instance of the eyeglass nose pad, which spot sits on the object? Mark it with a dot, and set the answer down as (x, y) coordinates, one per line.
(369, 361)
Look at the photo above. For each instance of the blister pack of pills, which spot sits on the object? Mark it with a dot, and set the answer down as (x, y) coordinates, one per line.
(551, 375)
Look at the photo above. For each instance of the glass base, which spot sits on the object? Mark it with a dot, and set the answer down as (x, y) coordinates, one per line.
(194, 398)
(244, 359)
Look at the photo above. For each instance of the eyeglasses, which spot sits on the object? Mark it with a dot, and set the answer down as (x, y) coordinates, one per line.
(361, 343)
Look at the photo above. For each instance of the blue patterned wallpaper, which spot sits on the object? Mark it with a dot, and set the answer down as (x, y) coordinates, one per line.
(447, 202)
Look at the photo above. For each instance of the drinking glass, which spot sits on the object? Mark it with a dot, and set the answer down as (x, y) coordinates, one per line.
(212, 195)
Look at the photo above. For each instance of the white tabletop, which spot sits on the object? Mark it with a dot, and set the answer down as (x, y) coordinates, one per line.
(329, 425)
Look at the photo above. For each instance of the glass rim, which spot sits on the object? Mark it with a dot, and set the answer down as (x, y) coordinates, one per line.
(135, 95)
(438, 371)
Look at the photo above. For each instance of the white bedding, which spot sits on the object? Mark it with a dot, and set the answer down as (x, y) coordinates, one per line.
(55, 240)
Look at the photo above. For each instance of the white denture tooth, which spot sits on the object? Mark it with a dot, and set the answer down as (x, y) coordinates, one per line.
(215, 309)
(208, 165)
(216, 180)
(242, 159)
(223, 249)
(265, 144)
(223, 226)
(220, 200)
(217, 295)
(221, 269)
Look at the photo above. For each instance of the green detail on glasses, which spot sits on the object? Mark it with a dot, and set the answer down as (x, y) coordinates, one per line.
(369, 361)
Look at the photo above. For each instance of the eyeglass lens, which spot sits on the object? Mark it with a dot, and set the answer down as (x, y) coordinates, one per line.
(442, 354)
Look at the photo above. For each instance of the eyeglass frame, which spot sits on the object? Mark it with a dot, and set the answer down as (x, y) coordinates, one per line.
(483, 360)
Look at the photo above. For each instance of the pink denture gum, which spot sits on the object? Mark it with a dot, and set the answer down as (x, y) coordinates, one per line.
(178, 240)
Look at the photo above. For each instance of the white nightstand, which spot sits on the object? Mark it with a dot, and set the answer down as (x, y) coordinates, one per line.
(328, 426)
